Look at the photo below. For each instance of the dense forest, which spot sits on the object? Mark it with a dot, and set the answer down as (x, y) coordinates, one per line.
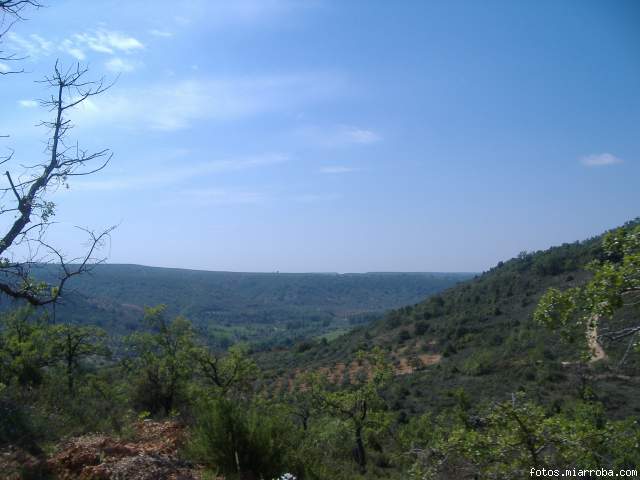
(489, 379)
(264, 309)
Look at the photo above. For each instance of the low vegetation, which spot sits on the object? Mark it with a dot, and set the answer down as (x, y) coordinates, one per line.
(502, 391)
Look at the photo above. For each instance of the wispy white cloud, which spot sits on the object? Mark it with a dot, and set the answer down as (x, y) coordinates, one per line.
(118, 65)
(72, 49)
(161, 33)
(338, 135)
(32, 45)
(175, 106)
(4, 68)
(359, 135)
(600, 160)
(173, 175)
(338, 169)
(100, 40)
(28, 103)
(107, 41)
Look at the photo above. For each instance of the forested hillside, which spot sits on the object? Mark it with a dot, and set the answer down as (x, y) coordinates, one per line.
(319, 136)
(488, 379)
(480, 336)
(262, 308)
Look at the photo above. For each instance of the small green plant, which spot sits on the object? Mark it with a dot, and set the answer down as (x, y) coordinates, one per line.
(145, 414)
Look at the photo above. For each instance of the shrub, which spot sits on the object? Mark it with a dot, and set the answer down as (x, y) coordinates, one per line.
(421, 328)
(248, 438)
(403, 336)
(15, 426)
(481, 362)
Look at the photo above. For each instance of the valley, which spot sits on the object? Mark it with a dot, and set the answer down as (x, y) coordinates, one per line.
(263, 309)
(278, 240)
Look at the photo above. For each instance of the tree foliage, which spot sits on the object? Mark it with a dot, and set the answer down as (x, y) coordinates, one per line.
(507, 439)
(615, 285)
(161, 361)
(226, 374)
(361, 406)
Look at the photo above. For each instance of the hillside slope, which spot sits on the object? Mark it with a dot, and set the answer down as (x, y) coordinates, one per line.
(480, 336)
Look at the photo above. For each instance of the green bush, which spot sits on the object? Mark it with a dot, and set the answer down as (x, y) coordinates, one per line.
(15, 427)
(247, 438)
(481, 362)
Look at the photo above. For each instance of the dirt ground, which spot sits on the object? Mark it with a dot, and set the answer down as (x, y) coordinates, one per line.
(150, 454)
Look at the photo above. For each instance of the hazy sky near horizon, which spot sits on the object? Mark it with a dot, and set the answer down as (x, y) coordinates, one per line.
(331, 135)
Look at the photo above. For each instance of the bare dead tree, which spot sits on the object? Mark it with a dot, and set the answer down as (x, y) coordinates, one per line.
(25, 198)
(16, 7)
(12, 11)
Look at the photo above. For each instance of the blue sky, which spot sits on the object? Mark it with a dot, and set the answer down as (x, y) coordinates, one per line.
(262, 135)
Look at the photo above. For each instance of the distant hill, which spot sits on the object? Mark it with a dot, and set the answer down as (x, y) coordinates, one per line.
(264, 308)
(480, 336)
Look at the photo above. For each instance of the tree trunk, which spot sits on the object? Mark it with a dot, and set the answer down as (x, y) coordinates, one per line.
(69, 365)
(359, 452)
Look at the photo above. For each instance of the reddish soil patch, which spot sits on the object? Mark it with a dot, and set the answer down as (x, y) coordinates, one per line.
(432, 359)
(355, 371)
(150, 455)
(404, 368)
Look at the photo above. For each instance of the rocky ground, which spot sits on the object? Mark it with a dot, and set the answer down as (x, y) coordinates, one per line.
(150, 454)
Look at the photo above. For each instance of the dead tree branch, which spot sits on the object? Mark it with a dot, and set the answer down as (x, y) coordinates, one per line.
(28, 193)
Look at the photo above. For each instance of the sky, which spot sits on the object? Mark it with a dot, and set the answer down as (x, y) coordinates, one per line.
(341, 136)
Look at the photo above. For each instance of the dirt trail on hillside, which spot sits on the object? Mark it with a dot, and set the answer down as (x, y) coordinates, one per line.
(597, 352)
